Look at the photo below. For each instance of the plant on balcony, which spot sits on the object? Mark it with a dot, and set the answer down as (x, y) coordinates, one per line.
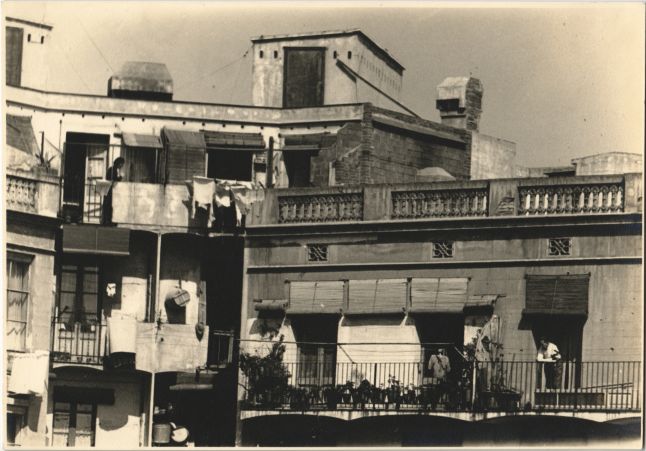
(267, 375)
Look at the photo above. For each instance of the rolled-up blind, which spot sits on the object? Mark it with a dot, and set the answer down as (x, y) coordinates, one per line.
(557, 295)
(377, 296)
(438, 295)
(316, 297)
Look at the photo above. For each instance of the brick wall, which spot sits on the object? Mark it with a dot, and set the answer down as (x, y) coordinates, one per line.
(347, 139)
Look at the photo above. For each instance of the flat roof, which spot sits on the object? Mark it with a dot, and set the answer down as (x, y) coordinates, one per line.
(376, 48)
(29, 22)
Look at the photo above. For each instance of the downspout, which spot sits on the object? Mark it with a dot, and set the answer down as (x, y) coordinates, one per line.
(155, 303)
(243, 335)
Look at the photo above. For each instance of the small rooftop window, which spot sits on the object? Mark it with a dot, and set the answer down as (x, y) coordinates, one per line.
(262, 54)
(349, 55)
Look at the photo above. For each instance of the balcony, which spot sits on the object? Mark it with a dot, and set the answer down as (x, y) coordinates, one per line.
(78, 342)
(351, 390)
(31, 192)
(583, 195)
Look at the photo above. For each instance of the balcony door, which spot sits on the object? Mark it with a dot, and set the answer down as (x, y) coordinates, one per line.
(78, 332)
(86, 157)
(316, 336)
(74, 424)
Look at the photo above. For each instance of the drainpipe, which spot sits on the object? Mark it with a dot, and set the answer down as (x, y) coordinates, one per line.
(155, 303)
(270, 163)
(243, 334)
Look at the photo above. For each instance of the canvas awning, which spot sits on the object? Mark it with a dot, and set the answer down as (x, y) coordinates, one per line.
(233, 140)
(316, 297)
(94, 239)
(270, 305)
(438, 295)
(141, 140)
(183, 138)
(310, 141)
(377, 296)
(557, 295)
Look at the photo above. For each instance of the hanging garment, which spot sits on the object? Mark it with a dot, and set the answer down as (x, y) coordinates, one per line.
(123, 334)
(29, 374)
(203, 191)
(222, 194)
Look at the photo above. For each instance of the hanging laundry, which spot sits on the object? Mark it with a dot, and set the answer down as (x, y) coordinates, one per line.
(203, 191)
(29, 373)
(122, 332)
(222, 195)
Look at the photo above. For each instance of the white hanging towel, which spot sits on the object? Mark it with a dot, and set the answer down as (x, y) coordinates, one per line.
(29, 374)
(203, 191)
(222, 195)
(123, 334)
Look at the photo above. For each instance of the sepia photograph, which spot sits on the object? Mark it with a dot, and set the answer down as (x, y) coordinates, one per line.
(322, 224)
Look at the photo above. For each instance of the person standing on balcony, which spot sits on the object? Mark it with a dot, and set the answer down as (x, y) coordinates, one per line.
(550, 356)
(439, 368)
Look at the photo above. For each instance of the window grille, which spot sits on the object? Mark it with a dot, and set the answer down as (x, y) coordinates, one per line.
(560, 246)
(443, 249)
(317, 253)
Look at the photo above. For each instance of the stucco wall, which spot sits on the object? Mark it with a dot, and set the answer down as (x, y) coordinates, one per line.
(609, 163)
(117, 425)
(491, 158)
(267, 72)
(611, 332)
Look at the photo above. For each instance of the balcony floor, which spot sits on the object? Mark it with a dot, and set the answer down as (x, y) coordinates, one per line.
(349, 414)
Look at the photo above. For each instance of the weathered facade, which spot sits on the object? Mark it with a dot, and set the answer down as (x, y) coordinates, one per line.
(165, 234)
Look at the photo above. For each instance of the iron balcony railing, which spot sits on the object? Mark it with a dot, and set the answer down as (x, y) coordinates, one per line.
(469, 386)
(78, 342)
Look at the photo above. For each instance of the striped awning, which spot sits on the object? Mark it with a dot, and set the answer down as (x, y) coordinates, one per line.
(557, 295)
(141, 140)
(316, 297)
(377, 296)
(234, 140)
(438, 295)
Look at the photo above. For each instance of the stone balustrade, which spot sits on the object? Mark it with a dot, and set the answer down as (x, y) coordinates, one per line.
(571, 199)
(22, 194)
(321, 208)
(439, 203)
(591, 195)
(32, 192)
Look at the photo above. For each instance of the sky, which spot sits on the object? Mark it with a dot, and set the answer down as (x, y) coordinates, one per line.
(561, 80)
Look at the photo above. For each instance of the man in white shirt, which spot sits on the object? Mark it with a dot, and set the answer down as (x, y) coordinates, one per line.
(550, 357)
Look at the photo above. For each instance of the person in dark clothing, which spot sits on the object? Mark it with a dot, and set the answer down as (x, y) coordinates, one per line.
(113, 174)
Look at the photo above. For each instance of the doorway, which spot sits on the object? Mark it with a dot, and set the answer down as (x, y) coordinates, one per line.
(303, 77)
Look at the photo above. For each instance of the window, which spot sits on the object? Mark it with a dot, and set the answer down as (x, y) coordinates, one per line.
(17, 301)
(275, 54)
(74, 424)
(443, 249)
(262, 54)
(78, 300)
(334, 54)
(559, 246)
(140, 164)
(317, 253)
(13, 43)
(349, 55)
(230, 164)
(297, 166)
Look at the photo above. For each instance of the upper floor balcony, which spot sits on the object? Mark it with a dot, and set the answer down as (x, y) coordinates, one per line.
(32, 192)
(584, 195)
(469, 389)
(103, 342)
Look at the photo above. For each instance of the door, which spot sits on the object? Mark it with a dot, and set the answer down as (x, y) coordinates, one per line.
(316, 336)
(303, 82)
(567, 334)
(441, 331)
(74, 424)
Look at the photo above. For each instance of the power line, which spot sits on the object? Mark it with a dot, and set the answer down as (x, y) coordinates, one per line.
(208, 74)
(94, 44)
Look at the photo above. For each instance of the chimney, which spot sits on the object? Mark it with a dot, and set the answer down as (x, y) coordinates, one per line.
(141, 80)
(459, 100)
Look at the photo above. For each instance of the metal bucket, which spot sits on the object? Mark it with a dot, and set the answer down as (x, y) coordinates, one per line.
(161, 433)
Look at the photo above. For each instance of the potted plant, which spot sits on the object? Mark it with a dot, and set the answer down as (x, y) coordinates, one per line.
(332, 397)
(267, 376)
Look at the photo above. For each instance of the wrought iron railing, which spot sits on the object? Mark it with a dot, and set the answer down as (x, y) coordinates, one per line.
(78, 342)
(439, 203)
(469, 386)
(22, 194)
(571, 199)
(321, 207)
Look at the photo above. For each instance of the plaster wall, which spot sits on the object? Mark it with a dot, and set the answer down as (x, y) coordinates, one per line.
(491, 158)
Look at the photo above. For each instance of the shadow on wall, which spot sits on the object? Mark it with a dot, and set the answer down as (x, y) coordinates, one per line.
(418, 430)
